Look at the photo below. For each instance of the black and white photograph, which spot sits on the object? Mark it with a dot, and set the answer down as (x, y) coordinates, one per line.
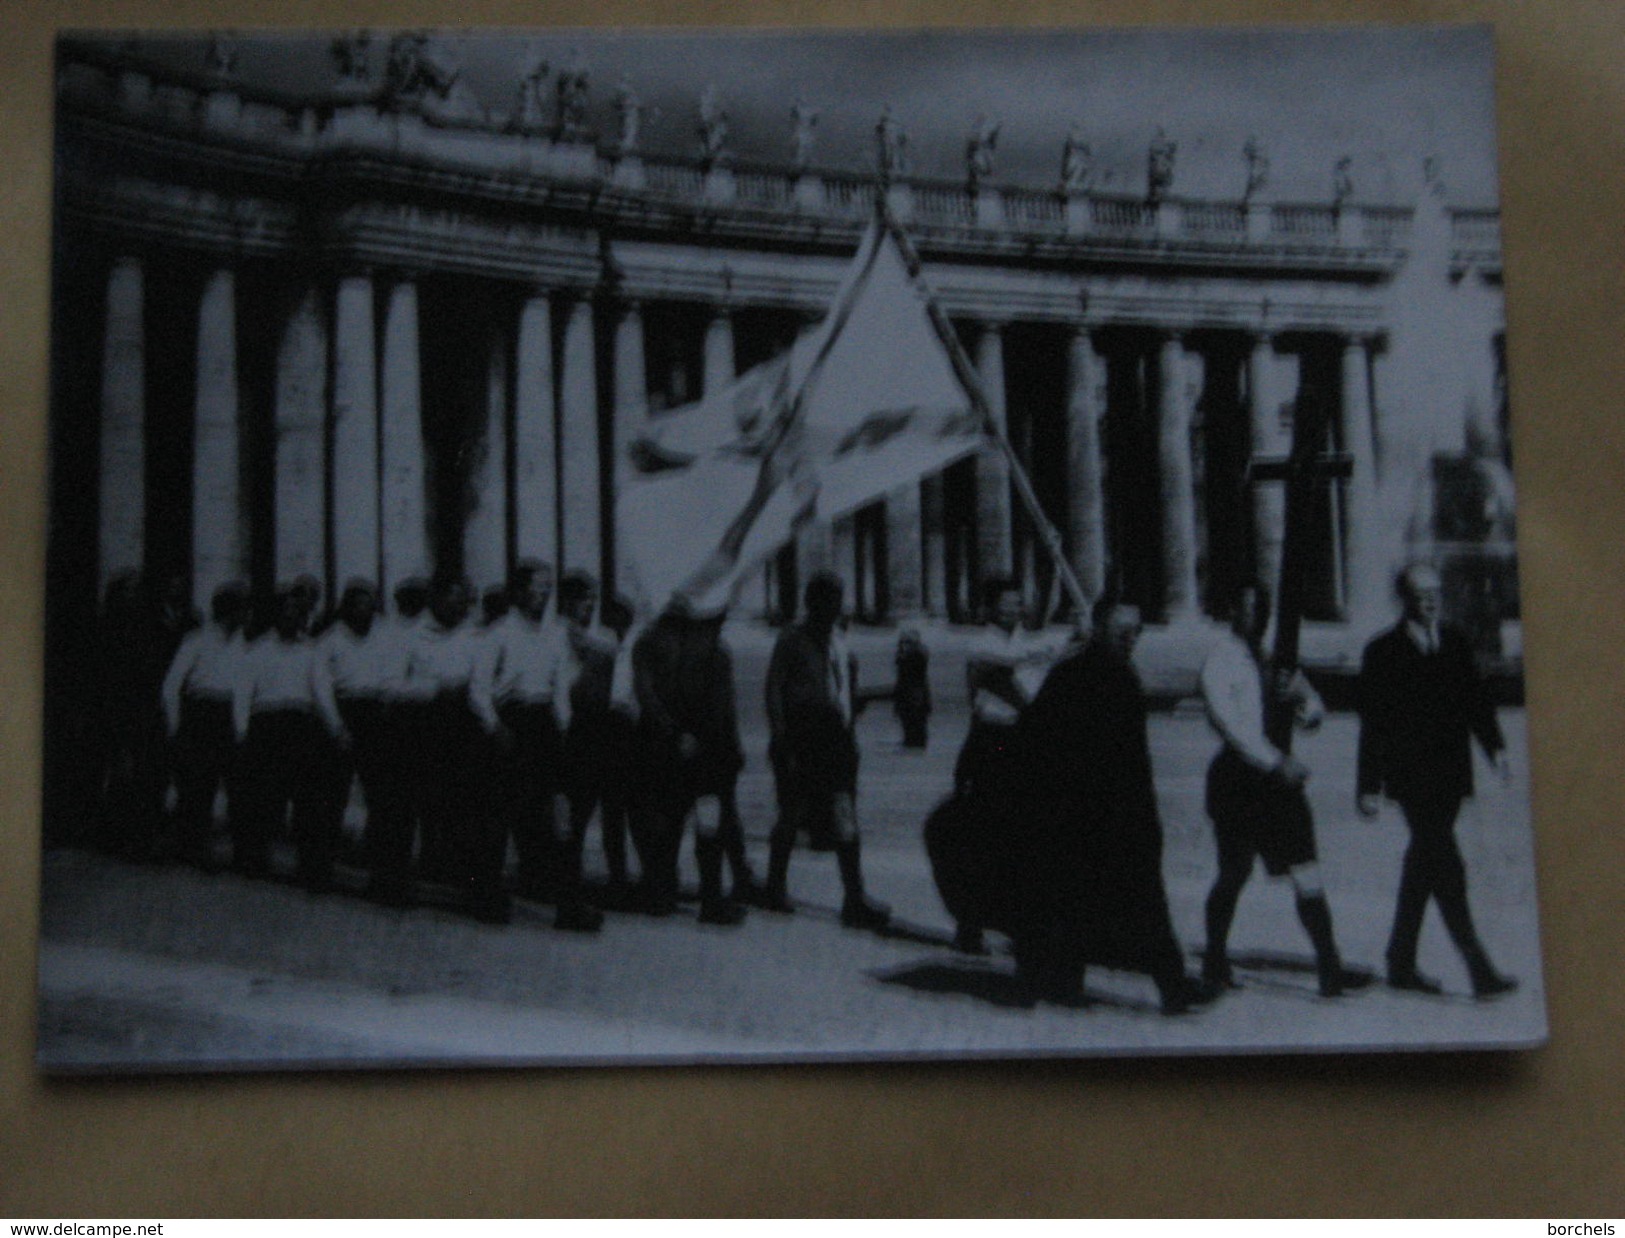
(585, 548)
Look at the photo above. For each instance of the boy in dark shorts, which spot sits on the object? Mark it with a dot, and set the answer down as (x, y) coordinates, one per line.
(1255, 795)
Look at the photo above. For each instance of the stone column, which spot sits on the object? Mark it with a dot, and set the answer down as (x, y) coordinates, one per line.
(843, 553)
(1269, 497)
(934, 568)
(404, 527)
(300, 542)
(1085, 489)
(992, 467)
(1178, 484)
(904, 570)
(355, 432)
(815, 552)
(719, 353)
(219, 536)
(579, 479)
(535, 443)
(485, 537)
(1365, 567)
(631, 415)
(123, 437)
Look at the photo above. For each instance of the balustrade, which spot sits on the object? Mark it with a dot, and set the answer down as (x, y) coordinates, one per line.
(1122, 215)
(1213, 219)
(1310, 222)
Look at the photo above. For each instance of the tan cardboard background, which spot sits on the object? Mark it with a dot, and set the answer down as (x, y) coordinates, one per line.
(1539, 1134)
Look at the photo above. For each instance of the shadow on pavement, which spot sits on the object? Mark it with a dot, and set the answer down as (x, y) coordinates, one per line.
(996, 987)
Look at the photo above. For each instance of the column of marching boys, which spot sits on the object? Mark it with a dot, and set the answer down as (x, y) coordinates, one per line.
(520, 727)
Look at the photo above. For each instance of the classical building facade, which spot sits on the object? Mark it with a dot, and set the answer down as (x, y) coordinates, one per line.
(377, 333)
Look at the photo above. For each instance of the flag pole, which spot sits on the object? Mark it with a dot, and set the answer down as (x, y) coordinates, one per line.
(972, 382)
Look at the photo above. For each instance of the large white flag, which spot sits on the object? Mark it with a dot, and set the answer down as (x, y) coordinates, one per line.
(867, 401)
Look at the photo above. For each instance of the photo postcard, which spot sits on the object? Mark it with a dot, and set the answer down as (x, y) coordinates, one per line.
(716, 546)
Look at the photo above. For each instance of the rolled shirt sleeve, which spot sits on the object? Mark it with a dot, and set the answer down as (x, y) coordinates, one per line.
(1233, 692)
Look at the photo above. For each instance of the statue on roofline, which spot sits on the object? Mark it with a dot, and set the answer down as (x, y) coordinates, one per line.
(1342, 181)
(980, 147)
(713, 126)
(1077, 162)
(530, 104)
(891, 145)
(351, 57)
(571, 91)
(629, 110)
(1258, 168)
(1159, 178)
(422, 70)
(804, 119)
(220, 58)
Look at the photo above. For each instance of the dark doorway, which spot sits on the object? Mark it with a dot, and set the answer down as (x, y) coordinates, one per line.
(457, 325)
(1222, 447)
(1319, 401)
(1036, 367)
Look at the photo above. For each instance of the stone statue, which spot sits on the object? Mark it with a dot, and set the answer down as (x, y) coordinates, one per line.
(530, 107)
(1159, 177)
(220, 59)
(804, 118)
(401, 64)
(891, 145)
(571, 89)
(980, 146)
(423, 69)
(351, 54)
(629, 111)
(713, 126)
(1433, 177)
(1342, 181)
(1077, 162)
(1258, 168)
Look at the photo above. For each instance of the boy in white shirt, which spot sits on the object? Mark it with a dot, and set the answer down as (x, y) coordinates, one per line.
(287, 720)
(1255, 794)
(197, 699)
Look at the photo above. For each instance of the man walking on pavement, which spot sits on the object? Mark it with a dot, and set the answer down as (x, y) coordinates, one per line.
(691, 752)
(1255, 794)
(810, 696)
(526, 655)
(1003, 671)
(286, 718)
(446, 662)
(364, 665)
(1422, 703)
(600, 742)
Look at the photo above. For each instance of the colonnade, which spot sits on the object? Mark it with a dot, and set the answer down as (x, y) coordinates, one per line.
(352, 493)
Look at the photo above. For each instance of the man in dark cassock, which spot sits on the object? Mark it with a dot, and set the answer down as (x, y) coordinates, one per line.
(1066, 855)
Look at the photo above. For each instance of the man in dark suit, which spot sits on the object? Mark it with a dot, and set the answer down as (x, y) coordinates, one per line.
(1422, 702)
